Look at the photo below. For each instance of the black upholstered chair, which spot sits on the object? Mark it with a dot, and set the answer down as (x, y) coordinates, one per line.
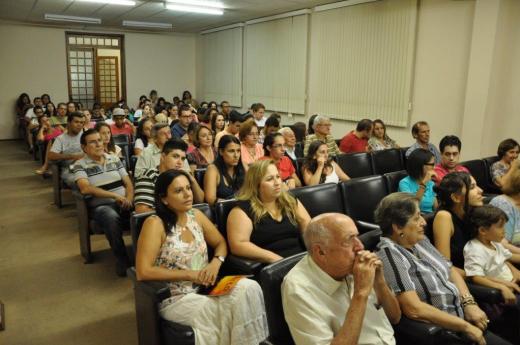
(480, 172)
(403, 154)
(355, 164)
(133, 162)
(362, 195)
(386, 161)
(320, 198)
(493, 189)
(392, 180)
(121, 139)
(199, 176)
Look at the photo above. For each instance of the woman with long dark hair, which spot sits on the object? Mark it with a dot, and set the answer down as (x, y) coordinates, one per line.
(143, 136)
(225, 176)
(319, 168)
(173, 247)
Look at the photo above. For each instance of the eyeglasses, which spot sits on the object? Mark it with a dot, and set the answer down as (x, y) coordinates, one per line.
(430, 164)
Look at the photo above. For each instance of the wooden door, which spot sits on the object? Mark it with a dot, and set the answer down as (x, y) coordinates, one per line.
(107, 80)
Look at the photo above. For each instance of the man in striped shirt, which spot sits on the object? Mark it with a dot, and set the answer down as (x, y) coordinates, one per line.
(173, 156)
(104, 177)
(321, 126)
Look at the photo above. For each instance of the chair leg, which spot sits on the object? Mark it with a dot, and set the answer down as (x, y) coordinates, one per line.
(56, 185)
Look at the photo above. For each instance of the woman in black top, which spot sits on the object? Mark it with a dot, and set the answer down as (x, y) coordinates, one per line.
(457, 193)
(267, 223)
(225, 176)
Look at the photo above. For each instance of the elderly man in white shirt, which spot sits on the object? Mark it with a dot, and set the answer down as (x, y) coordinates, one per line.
(337, 293)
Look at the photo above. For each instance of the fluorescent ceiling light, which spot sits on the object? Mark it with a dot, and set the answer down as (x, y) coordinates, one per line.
(147, 24)
(60, 18)
(112, 2)
(194, 9)
(204, 3)
(340, 4)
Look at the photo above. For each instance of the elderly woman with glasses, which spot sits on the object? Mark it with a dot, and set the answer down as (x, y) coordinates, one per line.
(420, 179)
(427, 286)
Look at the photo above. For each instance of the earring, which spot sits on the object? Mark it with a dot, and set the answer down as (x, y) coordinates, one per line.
(166, 202)
(401, 235)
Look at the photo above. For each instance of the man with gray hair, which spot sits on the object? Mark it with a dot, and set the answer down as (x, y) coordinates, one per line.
(151, 155)
(321, 126)
(337, 293)
(291, 150)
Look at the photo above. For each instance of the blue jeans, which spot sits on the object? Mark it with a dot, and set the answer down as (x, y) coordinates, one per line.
(113, 220)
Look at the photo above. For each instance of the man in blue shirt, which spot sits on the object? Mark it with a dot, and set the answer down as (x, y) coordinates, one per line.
(421, 134)
(179, 130)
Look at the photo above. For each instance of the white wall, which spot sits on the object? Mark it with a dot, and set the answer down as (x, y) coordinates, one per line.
(165, 62)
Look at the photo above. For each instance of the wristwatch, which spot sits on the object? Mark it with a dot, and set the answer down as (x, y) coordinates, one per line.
(221, 258)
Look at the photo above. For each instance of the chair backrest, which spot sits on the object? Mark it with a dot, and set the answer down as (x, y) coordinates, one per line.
(403, 154)
(492, 188)
(370, 239)
(392, 180)
(362, 195)
(125, 152)
(298, 149)
(133, 162)
(222, 209)
(355, 164)
(320, 198)
(199, 176)
(479, 171)
(385, 161)
(207, 210)
(121, 139)
(271, 278)
(136, 224)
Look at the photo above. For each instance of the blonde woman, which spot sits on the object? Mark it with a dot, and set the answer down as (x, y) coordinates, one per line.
(267, 223)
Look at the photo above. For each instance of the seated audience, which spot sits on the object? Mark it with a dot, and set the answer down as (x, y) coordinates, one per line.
(486, 261)
(457, 194)
(205, 119)
(173, 247)
(143, 136)
(50, 110)
(188, 100)
(380, 139)
(225, 176)
(272, 125)
(103, 176)
(274, 149)
(121, 125)
(180, 129)
(67, 147)
(421, 134)
(267, 222)
(250, 149)
(509, 202)
(337, 293)
(98, 113)
(71, 107)
(427, 286)
(60, 119)
(225, 109)
(153, 97)
(105, 133)
(507, 153)
(310, 128)
(319, 168)
(291, 151)
(33, 125)
(217, 123)
(147, 112)
(357, 140)
(450, 152)
(204, 152)
(23, 103)
(46, 134)
(258, 112)
(191, 132)
(173, 157)
(232, 128)
(151, 155)
(173, 114)
(88, 120)
(321, 126)
(419, 181)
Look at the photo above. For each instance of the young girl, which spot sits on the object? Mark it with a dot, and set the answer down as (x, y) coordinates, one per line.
(486, 261)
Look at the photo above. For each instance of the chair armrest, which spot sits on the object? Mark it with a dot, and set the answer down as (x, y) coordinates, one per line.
(485, 294)
(156, 290)
(424, 333)
(239, 265)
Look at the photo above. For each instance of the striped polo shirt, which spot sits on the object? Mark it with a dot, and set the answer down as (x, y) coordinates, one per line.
(421, 269)
(145, 188)
(107, 176)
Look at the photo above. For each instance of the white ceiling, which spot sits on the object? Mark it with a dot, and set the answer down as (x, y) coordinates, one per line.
(32, 11)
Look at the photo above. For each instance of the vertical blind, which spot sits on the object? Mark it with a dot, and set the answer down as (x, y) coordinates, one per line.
(361, 61)
(276, 63)
(222, 66)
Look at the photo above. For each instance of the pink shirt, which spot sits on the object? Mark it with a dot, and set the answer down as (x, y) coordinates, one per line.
(127, 129)
(441, 171)
(246, 156)
(351, 143)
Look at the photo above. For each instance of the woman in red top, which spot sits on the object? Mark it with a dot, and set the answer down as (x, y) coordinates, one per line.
(46, 133)
(274, 149)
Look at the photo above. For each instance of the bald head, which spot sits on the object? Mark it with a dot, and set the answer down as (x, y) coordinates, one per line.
(326, 227)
